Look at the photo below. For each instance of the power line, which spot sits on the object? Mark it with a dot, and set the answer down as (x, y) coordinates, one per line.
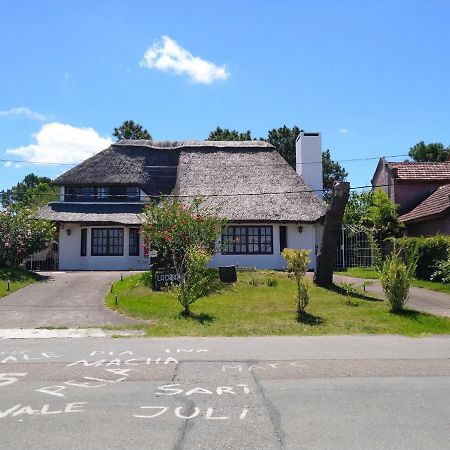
(101, 199)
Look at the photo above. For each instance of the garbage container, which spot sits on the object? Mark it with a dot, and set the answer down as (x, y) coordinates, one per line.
(228, 274)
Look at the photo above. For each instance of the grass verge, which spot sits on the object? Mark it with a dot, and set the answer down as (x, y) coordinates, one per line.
(364, 272)
(18, 278)
(251, 307)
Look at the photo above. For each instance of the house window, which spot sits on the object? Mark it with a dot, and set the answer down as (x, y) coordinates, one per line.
(133, 243)
(256, 240)
(133, 193)
(117, 193)
(83, 241)
(107, 242)
(102, 192)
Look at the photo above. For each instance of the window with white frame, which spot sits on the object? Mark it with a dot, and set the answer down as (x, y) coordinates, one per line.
(256, 240)
(107, 242)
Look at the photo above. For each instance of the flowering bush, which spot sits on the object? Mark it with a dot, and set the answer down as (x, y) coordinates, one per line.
(184, 235)
(442, 271)
(21, 235)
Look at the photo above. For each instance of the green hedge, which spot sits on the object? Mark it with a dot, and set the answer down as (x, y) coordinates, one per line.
(431, 250)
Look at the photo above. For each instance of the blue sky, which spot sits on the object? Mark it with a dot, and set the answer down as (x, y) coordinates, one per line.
(373, 77)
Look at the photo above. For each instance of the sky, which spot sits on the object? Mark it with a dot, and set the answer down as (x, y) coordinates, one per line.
(372, 77)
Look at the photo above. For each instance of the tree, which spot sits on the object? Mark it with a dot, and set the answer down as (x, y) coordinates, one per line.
(434, 152)
(332, 172)
(21, 235)
(224, 134)
(32, 192)
(284, 139)
(382, 215)
(357, 209)
(131, 130)
(326, 258)
(184, 236)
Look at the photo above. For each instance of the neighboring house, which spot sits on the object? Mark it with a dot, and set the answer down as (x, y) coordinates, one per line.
(268, 205)
(421, 189)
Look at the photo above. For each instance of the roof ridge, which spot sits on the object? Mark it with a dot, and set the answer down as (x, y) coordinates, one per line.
(190, 143)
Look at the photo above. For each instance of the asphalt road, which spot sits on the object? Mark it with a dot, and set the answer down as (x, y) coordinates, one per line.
(70, 299)
(334, 392)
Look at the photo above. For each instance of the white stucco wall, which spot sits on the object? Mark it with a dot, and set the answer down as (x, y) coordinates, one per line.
(70, 259)
(307, 240)
(70, 246)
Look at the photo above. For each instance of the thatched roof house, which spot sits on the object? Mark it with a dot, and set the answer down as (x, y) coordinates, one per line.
(248, 181)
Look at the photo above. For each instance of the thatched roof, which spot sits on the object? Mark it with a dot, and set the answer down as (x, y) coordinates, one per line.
(221, 171)
(124, 214)
(223, 175)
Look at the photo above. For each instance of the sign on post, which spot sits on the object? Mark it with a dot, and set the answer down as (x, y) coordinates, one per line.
(164, 277)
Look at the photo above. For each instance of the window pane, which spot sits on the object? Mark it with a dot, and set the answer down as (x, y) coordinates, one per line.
(134, 242)
(247, 240)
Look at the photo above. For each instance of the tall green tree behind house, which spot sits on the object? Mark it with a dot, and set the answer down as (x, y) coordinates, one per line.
(433, 152)
(225, 134)
(374, 210)
(131, 130)
(383, 215)
(284, 139)
(332, 172)
(32, 192)
(357, 208)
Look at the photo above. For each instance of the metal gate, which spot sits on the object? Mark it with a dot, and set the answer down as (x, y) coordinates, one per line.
(355, 248)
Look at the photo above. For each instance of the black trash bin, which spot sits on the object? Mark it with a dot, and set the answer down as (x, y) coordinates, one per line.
(228, 274)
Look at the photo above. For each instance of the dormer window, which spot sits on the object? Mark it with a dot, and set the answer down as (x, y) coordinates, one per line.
(101, 194)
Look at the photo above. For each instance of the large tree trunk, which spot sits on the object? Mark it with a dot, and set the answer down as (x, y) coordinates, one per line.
(326, 259)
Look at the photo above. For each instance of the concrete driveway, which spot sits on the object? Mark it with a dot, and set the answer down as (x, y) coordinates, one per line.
(419, 299)
(62, 299)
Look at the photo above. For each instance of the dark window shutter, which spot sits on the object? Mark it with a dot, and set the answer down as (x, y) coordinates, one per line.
(83, 241)
(283, 237)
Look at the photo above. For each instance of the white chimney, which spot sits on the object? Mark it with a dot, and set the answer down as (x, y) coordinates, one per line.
(308, 160)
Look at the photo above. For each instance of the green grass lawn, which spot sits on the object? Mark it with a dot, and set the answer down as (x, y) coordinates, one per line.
(18, 279)
(365, 272)
(251, 308)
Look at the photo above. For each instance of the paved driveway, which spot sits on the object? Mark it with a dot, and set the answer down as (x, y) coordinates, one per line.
(419, 299)
(70, 299)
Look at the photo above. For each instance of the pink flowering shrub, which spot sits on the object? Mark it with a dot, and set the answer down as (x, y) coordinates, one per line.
(184, 235)
(21, 235)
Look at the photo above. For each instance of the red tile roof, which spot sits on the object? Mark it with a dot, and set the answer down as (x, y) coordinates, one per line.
(437, 203)
(421, 171)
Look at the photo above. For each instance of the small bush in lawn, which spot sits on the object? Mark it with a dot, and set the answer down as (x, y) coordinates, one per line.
(350, 290)
(297, 265)
(396, 276)
(272, 282)
(254, 282)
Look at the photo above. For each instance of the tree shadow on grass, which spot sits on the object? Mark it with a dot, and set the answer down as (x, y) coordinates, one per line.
(309, 319)
(339, 290)
(410, 314)
(201, 318)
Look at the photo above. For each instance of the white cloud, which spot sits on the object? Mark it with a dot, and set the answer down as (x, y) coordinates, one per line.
(169, 56)
(343, 130)
(62, 143)
(8, 164)
(23, 111)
